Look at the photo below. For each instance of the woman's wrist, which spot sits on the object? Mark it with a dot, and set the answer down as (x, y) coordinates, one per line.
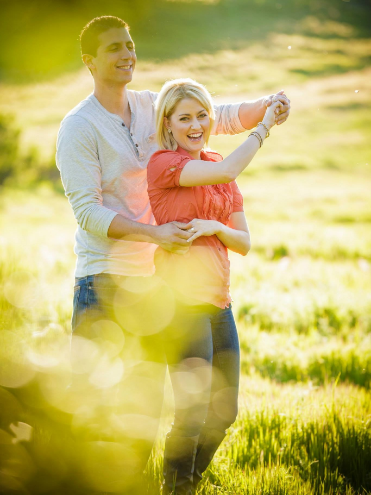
(219, 228)
(268, 123)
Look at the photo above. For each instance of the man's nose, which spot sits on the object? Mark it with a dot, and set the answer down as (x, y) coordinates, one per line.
(125, 53)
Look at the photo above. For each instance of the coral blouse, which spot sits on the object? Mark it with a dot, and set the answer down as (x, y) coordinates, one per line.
(202, 274)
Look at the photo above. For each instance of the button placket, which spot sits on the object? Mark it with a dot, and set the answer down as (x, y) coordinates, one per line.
(135, 145)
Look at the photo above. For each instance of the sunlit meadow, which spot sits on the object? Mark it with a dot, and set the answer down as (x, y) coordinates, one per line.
(302, 296)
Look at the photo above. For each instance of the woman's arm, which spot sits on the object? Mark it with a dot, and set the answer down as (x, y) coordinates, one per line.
(197, 173)
(235, 236)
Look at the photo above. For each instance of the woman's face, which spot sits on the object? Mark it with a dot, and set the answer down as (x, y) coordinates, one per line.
(190, 126)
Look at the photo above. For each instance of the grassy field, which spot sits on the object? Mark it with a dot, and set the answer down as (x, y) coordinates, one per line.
(302, 297)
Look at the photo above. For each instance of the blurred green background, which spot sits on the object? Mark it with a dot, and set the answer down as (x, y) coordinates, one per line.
(302, 297)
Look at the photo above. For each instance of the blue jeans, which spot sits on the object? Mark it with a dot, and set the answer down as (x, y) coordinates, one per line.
(120, 365)
(203, 355)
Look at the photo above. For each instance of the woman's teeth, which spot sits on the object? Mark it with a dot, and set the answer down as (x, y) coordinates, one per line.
(195, 137)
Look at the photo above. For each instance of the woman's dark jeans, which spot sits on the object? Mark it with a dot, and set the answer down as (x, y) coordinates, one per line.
(202, 351)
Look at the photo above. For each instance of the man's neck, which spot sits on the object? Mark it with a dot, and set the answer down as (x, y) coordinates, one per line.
(114, 99)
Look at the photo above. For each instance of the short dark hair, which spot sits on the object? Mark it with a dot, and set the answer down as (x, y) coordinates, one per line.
(89, 35)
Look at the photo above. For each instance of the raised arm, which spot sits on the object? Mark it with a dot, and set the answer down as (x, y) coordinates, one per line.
(195, 173)
(77, 160)
(234, 118)
(252, 112)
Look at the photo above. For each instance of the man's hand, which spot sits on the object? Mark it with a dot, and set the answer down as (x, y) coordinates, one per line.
(171, 237)
(284, 111)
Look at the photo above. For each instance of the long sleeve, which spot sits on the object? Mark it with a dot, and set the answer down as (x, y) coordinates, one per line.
(227, 120)
(78, 162)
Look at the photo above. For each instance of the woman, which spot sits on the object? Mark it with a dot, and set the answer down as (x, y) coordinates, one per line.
(197, 187)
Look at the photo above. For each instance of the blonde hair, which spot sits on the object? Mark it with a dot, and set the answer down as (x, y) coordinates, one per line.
(170, 95)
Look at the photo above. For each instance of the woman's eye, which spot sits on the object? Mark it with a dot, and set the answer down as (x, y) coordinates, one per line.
(203, 115)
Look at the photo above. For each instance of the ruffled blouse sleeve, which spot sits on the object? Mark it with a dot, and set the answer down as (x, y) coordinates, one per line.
(164, 169)
(237, 198)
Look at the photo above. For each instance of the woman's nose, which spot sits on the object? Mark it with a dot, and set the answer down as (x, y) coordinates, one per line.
(195, 124)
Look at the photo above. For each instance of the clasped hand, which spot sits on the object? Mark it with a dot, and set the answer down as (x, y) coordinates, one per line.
(177, 237)
(283, 111)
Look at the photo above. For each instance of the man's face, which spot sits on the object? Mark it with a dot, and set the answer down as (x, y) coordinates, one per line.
(116, 58)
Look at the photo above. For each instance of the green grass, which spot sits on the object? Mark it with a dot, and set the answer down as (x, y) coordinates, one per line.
(303, 319)
(290, 439)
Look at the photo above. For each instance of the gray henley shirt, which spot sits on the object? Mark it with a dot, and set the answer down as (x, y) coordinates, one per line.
(103, 167)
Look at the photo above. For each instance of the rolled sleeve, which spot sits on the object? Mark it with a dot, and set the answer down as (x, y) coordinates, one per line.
(164, 169)
(78, 163)
(227, 120)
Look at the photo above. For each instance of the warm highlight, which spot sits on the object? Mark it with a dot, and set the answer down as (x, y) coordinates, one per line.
(170, 95)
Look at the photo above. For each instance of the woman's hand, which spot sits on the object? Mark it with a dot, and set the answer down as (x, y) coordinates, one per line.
(202, 228)
(270, 115)
(284, 113)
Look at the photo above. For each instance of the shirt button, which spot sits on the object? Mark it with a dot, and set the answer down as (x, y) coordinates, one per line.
(136, 145)
(131, 134)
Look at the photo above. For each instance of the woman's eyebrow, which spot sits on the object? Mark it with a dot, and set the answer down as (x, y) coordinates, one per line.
(188, 114)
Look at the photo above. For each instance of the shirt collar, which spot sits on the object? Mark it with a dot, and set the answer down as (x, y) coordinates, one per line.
(183, 152)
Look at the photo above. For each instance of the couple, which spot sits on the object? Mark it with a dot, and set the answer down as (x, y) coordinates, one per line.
(145, 192)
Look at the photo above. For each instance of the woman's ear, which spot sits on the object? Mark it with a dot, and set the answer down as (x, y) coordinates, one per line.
(166, 123)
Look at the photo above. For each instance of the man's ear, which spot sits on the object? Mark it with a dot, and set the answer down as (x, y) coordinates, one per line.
(88, 61)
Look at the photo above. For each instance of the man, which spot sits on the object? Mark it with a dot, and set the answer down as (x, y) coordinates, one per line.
(103, 148)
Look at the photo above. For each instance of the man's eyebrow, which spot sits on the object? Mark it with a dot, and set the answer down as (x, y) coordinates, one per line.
(116, 43)
(119, 43)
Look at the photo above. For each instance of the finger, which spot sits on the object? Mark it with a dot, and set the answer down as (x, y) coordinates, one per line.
(268, 101)
(276, 103)
(280, 92)
(282, 117)
(283, 99)
(181, 240)
(278, 108)
(195, 236)
(182, 225)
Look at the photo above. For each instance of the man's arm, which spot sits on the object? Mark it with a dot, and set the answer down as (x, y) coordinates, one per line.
(169, 236)
(77, 160)
(234, 118)
(252, 112)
